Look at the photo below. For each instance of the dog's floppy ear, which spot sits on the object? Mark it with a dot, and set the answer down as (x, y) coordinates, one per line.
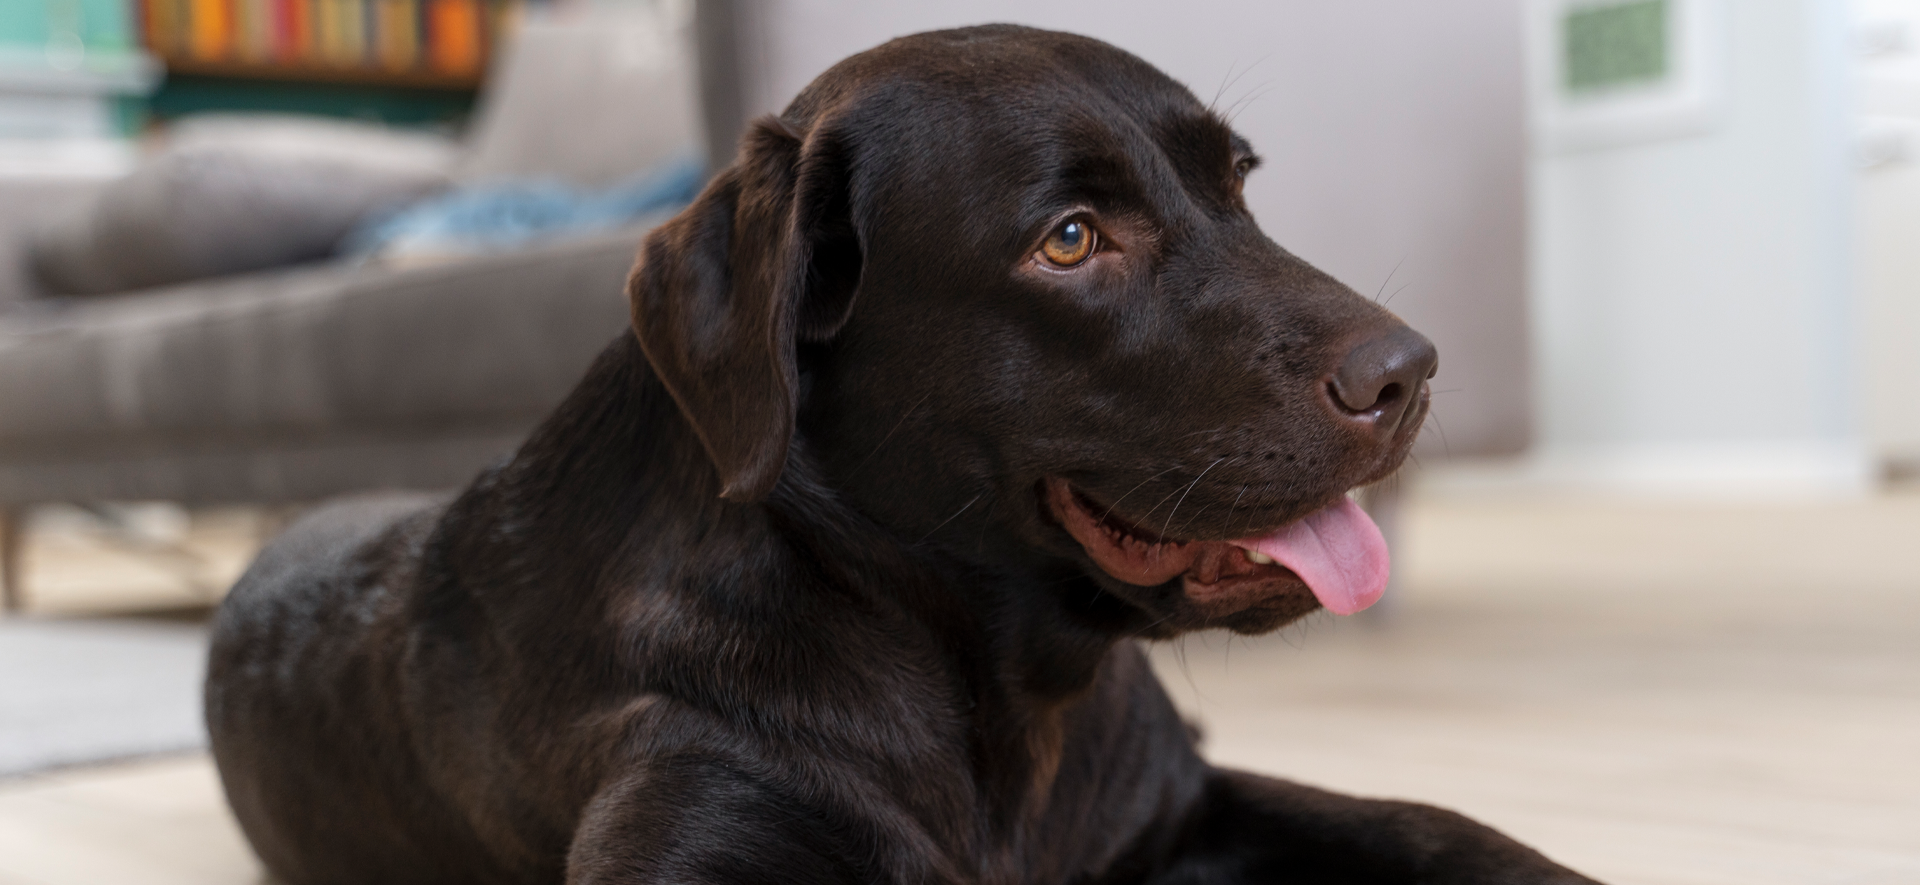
(764, 258)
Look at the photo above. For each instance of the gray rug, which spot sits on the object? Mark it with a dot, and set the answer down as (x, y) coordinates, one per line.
(77, 691)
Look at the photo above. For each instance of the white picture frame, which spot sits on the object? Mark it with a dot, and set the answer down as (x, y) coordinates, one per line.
(1687, 99)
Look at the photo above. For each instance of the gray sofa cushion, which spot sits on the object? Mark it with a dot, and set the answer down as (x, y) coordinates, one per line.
(483, 346)
(228, 194)
(25, 205)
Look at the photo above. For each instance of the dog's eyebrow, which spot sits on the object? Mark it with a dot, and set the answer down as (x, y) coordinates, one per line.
(1094, 168)
(1102, 177)
(1243, 151)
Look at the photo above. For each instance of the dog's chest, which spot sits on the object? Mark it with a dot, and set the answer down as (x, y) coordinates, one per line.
(1058, 797)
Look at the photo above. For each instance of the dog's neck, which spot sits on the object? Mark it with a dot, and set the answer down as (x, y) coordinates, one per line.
(614, 493)
(606, 531)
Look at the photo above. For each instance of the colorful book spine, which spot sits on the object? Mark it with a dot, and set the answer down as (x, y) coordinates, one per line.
(339, 31)
(397, 34)
(253, 30)
(212, 30)
(162, 24)
(295, 32)
(353, 27)
(326, 25)
(454, 27)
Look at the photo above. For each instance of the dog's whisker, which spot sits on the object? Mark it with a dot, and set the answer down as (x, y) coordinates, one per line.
(1156, 505)
(1168, 525)
(1224, 84)
(1243, 103)
(1234, 109)
(1265, 487)
(980, 540)
(1234, 78)
(1389, 279)
(1182, 531)
(1396, 292)
(1236, 504)
(896, 429)
(1442, 427)
(1158, 621)
(956, 515)
(1116, 501)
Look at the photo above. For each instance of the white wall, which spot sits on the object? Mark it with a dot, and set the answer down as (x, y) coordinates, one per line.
(1692, 295)
(1393, 132)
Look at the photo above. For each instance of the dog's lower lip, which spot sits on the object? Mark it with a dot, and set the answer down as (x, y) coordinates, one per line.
(1335, 553)
(1115, 524)
(1138, 556)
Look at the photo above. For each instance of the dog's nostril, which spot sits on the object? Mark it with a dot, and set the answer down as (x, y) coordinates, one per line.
(1381, 372)
(1356, 399)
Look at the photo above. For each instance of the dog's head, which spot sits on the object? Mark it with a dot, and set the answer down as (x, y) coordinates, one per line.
(1002, 288)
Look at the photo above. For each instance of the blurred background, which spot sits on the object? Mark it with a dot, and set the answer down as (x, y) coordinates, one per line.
(1657, 595)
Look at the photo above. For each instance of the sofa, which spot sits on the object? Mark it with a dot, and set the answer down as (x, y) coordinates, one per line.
(287, 385)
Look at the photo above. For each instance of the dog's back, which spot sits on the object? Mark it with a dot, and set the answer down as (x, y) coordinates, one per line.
(302, 695)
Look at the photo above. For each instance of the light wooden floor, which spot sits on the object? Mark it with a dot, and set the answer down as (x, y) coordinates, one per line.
(1655, 695)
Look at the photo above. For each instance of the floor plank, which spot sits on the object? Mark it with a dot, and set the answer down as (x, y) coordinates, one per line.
(150, 822)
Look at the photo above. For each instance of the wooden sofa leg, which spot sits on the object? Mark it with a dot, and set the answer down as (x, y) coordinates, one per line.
(12, 534)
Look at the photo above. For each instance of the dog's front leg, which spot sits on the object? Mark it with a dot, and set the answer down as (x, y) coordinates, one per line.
(1248, 828)
(694, 821)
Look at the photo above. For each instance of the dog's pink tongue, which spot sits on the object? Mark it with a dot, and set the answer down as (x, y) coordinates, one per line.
(1337, 550)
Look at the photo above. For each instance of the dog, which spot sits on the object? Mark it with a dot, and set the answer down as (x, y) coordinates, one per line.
(971, 372)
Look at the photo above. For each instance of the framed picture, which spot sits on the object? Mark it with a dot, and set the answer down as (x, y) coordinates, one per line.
(1609, 73)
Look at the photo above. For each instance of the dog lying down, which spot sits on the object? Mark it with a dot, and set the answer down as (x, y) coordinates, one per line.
(971, 372)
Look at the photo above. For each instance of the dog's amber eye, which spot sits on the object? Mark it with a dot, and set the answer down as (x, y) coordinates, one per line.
(1069, 244)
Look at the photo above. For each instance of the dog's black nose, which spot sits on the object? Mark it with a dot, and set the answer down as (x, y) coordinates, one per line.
(1379, 379)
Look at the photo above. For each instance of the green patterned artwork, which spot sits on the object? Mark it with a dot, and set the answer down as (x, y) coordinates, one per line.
(1615, 45)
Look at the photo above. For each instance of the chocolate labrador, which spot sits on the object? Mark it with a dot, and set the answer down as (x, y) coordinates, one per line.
(971, 372)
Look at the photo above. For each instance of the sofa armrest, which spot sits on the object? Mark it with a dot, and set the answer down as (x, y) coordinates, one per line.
(300, 384)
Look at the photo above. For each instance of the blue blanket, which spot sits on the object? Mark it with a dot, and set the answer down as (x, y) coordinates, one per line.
(487, 216)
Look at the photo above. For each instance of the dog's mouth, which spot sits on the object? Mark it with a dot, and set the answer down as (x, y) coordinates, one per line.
(1335, 553)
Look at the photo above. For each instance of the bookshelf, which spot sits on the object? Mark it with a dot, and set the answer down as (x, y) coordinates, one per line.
(414, 43)
(323, 74)
(364, 58)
